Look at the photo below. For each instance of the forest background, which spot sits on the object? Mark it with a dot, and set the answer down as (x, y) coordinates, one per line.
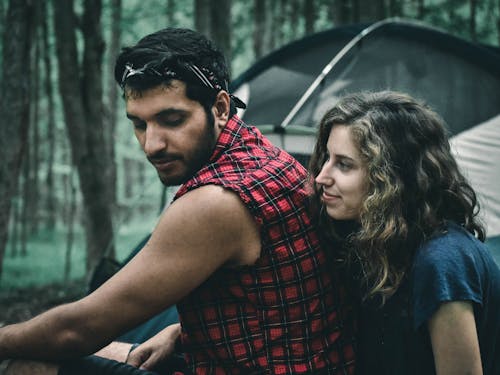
(74, 185)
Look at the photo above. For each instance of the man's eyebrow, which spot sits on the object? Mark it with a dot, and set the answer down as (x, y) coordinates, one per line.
(170, 111)
(165, 112)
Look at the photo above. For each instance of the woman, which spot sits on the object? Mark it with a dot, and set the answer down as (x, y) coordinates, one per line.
(390, 196)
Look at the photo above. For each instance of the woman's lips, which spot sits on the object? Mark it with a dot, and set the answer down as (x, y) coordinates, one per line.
(328, 197)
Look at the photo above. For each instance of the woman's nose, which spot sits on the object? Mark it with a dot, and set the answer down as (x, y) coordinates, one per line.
(324, 178)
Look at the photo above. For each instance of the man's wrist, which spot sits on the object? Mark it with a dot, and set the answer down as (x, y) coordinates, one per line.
(132, 348)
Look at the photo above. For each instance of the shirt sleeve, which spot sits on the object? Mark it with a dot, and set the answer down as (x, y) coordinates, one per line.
(446, 268)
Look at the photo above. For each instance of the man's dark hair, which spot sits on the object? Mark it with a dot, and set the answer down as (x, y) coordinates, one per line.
(175, 53)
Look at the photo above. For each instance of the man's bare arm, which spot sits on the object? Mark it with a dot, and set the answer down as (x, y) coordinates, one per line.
(203, 230)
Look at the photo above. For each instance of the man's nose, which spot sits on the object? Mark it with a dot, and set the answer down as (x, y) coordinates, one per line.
(155, 140)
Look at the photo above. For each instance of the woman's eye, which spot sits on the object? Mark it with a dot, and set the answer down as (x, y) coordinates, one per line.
(344, 166)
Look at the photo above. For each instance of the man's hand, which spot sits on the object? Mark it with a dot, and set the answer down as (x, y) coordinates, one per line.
(156, 350)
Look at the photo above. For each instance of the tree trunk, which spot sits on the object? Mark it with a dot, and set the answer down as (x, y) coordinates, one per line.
(420, 9)
(498, 23)
(14, 106)
(2, 23)
(213, 19)
(395, 8)
(25, 202)
(14, 231)
(50, 204)
(355, 11)
(273, 24)
(340, 12)
(113, 95)
(309, 16)
(372, 10)
(259, 22)
(33, 192)
(472, 19)
(220, 27)
(280, 17)
(170, 12)
(202, 15)
(70, 223)
(295, 10)
(83, 113)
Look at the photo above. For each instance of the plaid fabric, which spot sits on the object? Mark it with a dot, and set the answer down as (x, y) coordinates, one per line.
(282, 315)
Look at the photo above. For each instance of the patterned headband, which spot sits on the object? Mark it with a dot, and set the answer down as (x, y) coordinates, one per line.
(201, 75)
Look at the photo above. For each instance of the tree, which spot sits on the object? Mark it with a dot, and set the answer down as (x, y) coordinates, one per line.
(80, 85)
(498, 24)
(309, 15)
(51, 120)
(32, 193)
(472, 19)
(395, 8)
(340, 11)
(420, 9)
(112, 108)
(14, 106)
(220, 28)
(170, 12)
(259, 27)
(202, 17)
(213, 19)
(372, 10)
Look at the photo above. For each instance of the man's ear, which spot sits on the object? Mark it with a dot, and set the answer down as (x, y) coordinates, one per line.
(220, 108)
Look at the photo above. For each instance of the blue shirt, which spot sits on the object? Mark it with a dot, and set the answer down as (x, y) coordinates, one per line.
(455, 266)
(451, 266)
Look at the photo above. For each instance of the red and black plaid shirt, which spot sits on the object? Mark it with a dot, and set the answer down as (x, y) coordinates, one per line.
(281, 315)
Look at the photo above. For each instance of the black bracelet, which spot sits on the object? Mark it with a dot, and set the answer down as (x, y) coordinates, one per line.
(132, 348)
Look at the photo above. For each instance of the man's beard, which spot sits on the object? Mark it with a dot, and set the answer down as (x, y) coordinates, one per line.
(199, 156)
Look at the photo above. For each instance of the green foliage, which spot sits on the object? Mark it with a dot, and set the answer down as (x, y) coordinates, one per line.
(44, 262)
(454, 17)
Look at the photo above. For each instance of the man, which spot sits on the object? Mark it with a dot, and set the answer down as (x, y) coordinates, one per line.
(235, 250)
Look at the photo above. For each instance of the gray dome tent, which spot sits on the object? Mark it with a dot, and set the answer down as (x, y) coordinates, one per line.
(288, 91)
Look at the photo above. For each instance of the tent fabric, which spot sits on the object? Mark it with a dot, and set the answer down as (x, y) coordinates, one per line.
(289, 71)
(459, 79)
(459, 86)
(477, 151)
(445, 71)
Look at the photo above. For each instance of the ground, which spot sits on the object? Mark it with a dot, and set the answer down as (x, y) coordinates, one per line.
(22, 304)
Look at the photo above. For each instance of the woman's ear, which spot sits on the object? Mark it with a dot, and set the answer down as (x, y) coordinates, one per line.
(221, 108)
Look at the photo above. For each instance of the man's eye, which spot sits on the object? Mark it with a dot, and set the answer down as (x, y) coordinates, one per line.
(172, 121)
(139, 125)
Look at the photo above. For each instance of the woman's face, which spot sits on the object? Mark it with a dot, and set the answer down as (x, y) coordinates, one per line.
(343, 178)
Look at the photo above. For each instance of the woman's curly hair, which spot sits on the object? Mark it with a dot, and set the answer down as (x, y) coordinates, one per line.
(415, 185)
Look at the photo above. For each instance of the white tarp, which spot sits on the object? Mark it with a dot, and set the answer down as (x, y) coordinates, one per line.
(477, 151)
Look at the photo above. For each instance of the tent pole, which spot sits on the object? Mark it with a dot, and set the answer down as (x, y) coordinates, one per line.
(329, 67)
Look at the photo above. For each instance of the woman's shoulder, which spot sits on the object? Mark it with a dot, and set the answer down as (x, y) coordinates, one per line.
(451, 265)
(451, 243)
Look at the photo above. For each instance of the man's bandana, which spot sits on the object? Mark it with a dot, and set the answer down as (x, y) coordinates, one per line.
(183, 72)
